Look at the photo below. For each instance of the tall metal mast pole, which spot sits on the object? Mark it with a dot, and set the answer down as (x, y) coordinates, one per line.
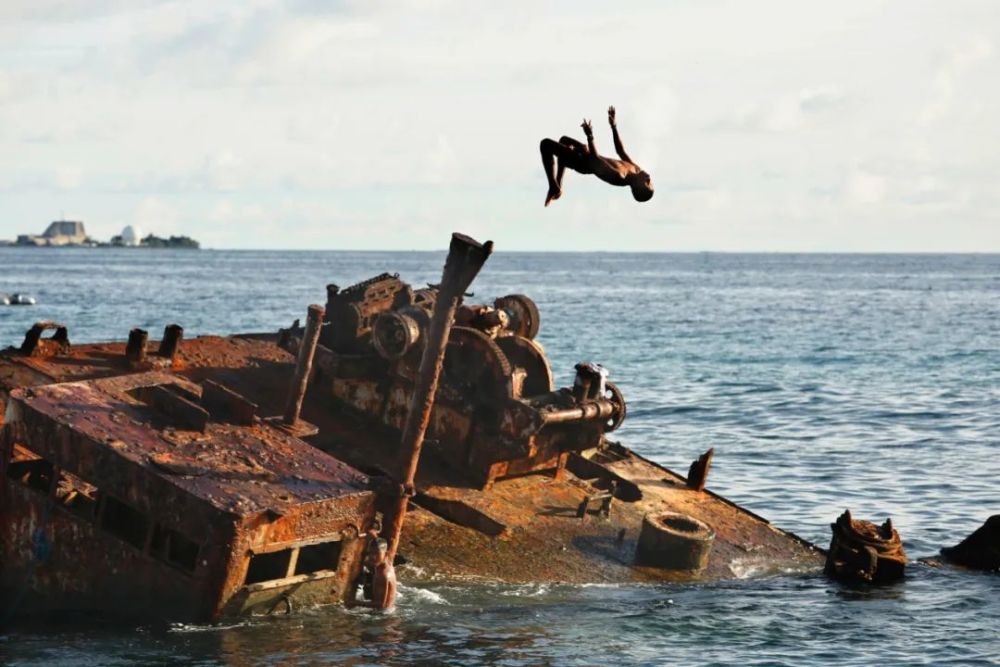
(466, 257)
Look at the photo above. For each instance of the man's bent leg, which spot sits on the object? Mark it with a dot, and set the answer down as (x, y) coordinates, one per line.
(573, 144)
(552, 150)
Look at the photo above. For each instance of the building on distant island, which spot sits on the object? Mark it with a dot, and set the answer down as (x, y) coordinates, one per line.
(131, 238)
(58, 233)
(72, 233)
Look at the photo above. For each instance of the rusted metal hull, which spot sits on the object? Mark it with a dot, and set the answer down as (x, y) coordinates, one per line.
(522, 529)
(115, 496)
(180, 479)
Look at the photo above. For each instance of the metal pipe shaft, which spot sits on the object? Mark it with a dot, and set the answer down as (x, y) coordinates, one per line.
(135, 351)
(303, 365)
(599, 409)
(465, 258)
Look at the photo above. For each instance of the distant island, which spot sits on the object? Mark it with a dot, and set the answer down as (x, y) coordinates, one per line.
(71, 233)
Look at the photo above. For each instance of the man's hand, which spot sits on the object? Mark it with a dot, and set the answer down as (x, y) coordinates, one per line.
(611, 116)
(587, 130)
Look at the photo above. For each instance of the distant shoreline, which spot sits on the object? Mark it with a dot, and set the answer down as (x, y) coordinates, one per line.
(100, 246)
(724, 253)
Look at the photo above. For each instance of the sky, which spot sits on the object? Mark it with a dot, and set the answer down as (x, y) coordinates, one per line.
(773, 125)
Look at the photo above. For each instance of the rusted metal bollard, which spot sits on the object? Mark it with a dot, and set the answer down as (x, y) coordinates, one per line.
(466, 257)
(173, 334)
(135, 351)
(303, 365)
(672, 541)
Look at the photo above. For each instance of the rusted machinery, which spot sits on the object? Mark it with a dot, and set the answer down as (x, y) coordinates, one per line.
(184, 478)
(496, 414)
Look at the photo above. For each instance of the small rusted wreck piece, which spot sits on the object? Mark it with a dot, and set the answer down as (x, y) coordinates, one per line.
(183, 477)
(862, 552)
(980, 550)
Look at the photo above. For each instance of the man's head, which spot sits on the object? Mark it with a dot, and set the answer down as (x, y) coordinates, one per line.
(642, 186)
(377, 550)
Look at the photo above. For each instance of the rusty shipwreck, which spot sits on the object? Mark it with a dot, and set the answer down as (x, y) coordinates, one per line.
(217, 476)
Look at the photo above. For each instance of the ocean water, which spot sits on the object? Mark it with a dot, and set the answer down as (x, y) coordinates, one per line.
(824, 382)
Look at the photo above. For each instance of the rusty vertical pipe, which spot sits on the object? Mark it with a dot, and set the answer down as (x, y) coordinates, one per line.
(303, 365)
(135, 351)
(466, 257)
(173, 334)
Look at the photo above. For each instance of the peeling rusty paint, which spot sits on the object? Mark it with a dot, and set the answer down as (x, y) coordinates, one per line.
(178, 511)
(200, 459)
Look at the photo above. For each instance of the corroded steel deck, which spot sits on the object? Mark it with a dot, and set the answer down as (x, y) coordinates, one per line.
(523, 529)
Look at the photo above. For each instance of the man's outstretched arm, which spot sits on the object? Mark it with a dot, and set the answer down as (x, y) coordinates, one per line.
(618, 141)
(589, 131)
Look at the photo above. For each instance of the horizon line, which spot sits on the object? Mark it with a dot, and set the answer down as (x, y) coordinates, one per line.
(529, 251)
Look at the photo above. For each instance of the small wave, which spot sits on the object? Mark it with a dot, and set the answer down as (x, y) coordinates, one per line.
(194, 627)
(415, 570)
(916, 414)
(742, 569)
(673, 410)
(528, 591)
(421, 595)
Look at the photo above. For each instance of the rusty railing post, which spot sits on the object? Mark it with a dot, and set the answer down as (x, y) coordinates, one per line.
(466, 257)
(135, 351)
(173, 334)
(303, 365)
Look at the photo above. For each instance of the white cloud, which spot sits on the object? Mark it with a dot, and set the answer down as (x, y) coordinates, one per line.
(155, 216)
(788, 112)
(948, 75)
(865, 187)
(442, 162)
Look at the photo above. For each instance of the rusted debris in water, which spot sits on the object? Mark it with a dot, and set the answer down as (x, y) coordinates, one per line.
(863, 552)
(214, 476)
(980, 550)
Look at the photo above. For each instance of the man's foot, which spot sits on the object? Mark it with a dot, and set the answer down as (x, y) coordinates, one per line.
(553, 195)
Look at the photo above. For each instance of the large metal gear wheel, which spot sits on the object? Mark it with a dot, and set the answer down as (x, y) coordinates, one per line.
(475, 366)
(529, 355)
(523, 313)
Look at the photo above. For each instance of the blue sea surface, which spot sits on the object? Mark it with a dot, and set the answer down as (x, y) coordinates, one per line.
(823, 382)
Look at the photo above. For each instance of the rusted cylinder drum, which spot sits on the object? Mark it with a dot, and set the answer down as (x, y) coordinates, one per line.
(394, 334)
(673, 541)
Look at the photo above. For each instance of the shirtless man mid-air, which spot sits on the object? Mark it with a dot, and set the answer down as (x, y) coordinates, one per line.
(568, 152)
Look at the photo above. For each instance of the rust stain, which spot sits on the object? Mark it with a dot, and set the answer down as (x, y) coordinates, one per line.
(141, 507)
(155, 475)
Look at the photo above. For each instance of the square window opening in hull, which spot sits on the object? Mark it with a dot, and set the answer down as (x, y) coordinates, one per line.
(170, 546)
(124, 522)
(30, 469)
(268, 566)
(317, 557)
